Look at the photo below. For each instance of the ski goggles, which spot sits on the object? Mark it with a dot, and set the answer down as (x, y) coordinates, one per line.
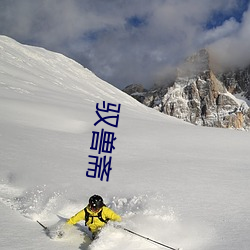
(94, 208)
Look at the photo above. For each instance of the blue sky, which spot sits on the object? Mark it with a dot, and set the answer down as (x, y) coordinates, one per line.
(131, 41)
(218, 17)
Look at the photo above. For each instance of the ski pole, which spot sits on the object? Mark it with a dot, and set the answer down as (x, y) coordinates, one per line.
(45, 228)
(146, 238)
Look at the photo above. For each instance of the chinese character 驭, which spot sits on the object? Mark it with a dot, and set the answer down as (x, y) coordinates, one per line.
(106, 110)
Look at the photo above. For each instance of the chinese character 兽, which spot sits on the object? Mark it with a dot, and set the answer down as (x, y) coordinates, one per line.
(106, 142)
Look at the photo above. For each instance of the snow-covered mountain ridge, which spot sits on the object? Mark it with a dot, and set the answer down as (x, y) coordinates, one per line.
(30, 63)
(201, 96)
(183, 185)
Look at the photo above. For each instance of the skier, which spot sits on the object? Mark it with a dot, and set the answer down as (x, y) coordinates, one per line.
(95, 214)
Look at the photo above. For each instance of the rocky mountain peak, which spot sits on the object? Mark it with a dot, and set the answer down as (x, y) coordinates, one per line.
(196, 64)
(200, 96)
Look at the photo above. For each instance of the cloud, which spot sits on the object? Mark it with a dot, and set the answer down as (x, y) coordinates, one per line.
(121, 41)
(233, 49)
(228, 28)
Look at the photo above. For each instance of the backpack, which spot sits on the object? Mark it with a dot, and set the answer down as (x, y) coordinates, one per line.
(88, 216)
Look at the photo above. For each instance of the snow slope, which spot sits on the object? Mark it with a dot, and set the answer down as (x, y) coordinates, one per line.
(176, 183)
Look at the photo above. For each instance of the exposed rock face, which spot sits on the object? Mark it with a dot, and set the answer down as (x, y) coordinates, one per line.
(199, 97)
(237, 81)
(137, 91)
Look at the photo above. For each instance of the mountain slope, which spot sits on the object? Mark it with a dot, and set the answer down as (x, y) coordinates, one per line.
(183, 185)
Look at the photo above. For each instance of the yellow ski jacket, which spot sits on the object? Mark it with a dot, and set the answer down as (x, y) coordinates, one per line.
(94, 223)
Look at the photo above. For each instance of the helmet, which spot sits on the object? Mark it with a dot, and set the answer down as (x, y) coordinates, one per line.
(95, 202)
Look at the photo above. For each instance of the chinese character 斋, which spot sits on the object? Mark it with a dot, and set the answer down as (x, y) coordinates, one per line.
(103, 141)
(99, 168)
